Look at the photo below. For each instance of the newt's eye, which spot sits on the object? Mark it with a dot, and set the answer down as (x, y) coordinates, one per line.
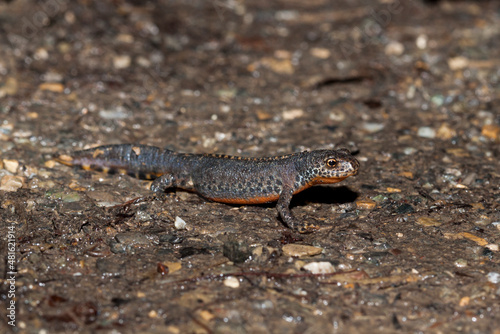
(331, 163)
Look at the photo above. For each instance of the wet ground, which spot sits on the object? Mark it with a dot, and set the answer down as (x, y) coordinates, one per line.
(411, 244)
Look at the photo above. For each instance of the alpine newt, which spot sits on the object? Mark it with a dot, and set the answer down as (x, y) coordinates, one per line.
(223, 178)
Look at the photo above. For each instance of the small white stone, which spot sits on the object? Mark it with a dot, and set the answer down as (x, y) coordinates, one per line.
(122, 61)
(292, 114)
(409, 150)
(394, 49)
(320, 267)
(320, 53)
(458, 63)
(426, 132)
(421, 41)
(117, 113)
(179, 223)
(232, 282)
(337, 116)
(372, 127)
(492, 247)
(41, 54)
(493, 277)
(143, 61)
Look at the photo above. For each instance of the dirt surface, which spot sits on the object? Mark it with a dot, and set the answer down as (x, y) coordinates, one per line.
(408, 245)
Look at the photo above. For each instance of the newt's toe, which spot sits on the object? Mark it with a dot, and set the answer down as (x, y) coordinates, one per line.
(307, 228)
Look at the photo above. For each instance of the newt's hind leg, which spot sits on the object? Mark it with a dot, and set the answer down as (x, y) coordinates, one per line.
(163, 183)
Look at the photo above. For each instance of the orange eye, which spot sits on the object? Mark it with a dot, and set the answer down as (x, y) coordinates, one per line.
(331, 163)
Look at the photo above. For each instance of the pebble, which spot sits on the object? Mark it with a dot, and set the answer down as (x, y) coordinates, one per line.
(10, 165)
(292, 114)
(22, 133)
(445, 132)
(464, 301)
(372, 127)
(458, 152)
(227, 93)
(179, 223)
(458, 63)
(153, 314)
(125, 38)
(295, 250)
(263, 115)
(52, 87)
(232, 282)
(493, 247)
(41, 54)
(409, 150)
(380, 198)
(426, 132)
(461, 263)
(320, 53)
(323, 267)
(472, 237)
(437, 100)
(491, 131)
(493, 277)
(282, 54)
(337, 116)
(281, 66)
(32, 115)
(173, 266)
(11, 183)
(471, 177)
(70, 197)
(421, 41)
(365, 204)
(118, 113)
(428, 221)
(408, 175)
(394, 49)
(143, 62)
(121, 61)
(54, 77)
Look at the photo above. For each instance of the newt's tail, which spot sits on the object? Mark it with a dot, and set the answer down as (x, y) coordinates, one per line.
(141, 161)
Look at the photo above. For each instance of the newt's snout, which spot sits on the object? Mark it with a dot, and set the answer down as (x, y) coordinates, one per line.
(354, 166)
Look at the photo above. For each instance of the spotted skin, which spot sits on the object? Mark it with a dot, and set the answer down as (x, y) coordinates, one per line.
(223, 178)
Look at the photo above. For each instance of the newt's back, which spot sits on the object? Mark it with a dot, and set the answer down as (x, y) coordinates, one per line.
(241, 180)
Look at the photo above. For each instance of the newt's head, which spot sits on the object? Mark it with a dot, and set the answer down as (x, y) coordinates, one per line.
(326, 166)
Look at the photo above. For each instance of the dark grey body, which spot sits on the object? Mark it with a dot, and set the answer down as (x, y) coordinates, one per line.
(223, 178)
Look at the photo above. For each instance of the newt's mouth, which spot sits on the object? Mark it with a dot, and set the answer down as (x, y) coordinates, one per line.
(327, 180)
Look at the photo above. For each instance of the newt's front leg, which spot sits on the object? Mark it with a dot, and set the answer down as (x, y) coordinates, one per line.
(163, 183)
(285, 213)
